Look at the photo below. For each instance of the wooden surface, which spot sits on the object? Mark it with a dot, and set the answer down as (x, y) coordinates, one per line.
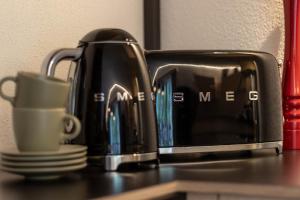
(260, 174)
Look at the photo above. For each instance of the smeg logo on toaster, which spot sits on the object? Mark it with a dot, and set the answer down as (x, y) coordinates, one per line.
(208, 97)
(203, 97)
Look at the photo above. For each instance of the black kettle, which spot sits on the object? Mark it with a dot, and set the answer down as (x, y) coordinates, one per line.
(111, 95)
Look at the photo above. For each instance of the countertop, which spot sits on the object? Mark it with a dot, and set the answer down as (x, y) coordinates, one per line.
(260, 173)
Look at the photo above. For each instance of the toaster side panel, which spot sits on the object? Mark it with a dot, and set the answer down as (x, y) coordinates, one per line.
(270, 104)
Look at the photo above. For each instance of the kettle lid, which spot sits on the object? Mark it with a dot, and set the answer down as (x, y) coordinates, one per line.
(108, 34)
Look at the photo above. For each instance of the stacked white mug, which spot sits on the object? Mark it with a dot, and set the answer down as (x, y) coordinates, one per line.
(39, 114)
(39, 119)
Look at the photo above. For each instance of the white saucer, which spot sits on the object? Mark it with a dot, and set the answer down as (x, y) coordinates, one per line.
(44, 173)
(42, 164)
(44, 158)
(63, 150)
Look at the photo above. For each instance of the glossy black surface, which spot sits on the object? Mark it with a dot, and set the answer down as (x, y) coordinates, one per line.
(215, 97)
(114, 99)
(260, 168)
(108, 34)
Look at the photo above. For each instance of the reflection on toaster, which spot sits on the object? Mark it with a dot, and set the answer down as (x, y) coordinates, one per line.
(201, 103)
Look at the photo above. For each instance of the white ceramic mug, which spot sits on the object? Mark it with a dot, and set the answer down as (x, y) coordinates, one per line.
(36, 91)
(42, 129)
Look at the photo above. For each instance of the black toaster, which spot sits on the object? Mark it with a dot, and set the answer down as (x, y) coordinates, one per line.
(212, 101)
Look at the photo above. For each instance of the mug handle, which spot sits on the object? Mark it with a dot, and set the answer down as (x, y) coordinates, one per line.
(2, 94)
(75, 130)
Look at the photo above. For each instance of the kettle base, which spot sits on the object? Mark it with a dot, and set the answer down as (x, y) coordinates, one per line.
(223, 148)
(112, 162)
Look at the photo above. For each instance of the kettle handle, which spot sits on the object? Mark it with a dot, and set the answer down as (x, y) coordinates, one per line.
(54, 57)
(50, 63)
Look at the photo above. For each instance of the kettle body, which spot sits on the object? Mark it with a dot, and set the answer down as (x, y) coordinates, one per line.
(111, 95)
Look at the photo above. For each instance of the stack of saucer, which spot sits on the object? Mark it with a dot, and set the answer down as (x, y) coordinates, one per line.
(44, 165)
(39, 119)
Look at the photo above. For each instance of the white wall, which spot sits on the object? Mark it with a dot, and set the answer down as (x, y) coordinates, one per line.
(223, 24)
(30, 29)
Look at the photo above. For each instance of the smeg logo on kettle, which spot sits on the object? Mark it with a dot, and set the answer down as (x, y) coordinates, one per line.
(121, 96)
